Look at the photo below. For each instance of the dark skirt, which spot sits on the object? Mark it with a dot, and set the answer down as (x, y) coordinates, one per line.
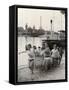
(31, 64)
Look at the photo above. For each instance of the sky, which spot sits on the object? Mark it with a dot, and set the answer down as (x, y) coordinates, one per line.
(32, 18)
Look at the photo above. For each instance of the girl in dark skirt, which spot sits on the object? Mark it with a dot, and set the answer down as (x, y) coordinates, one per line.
(31, 54)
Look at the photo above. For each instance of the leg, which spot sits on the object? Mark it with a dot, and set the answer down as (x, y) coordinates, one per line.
(31, 65)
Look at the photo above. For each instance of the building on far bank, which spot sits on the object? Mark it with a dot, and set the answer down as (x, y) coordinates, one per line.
(62, 34)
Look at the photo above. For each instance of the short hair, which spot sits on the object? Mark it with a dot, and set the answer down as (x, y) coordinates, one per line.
(39, 47)
(34, 47)
(29, 45)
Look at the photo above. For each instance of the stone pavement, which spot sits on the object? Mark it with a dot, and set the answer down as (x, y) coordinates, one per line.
(24, 74)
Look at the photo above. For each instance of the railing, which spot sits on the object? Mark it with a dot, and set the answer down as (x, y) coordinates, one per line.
(21, 52)
(22, 60)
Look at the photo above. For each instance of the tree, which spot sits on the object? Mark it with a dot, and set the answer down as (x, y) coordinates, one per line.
(62, 12)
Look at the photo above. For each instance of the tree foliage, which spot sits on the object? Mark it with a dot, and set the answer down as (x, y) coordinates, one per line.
(62, 12)
(31, 32)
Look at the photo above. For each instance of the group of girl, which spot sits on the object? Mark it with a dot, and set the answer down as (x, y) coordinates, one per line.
(48, 57)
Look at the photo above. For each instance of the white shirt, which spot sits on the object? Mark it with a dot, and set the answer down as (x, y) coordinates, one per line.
(55, 53)
(31, 54)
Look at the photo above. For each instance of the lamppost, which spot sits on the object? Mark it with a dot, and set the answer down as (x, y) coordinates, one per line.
(51, 21)
(26, 27)
(40, 22)
(33, 36)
